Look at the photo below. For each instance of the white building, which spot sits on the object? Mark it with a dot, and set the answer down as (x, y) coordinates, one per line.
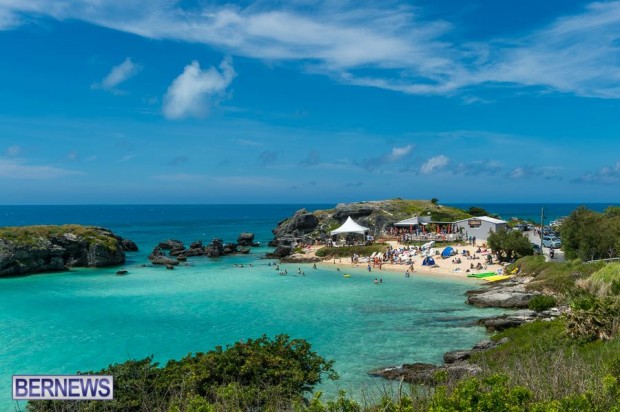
(480, 227)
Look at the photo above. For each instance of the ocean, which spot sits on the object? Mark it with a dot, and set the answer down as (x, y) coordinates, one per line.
(86, 319)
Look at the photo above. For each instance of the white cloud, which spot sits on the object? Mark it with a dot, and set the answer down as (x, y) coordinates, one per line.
(575, 54)
(190, 94)
(605, 175)
(119, 74)
(400, 152)
(13, 151)
(18, 169)
(434, 164)
(180, 177)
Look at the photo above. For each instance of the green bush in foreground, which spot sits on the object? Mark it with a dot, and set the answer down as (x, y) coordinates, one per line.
(258, 374)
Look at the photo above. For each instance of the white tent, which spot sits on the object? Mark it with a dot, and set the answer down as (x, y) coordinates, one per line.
(350, 226)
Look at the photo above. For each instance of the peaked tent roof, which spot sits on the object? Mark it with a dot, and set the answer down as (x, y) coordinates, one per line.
(350, 226)
(412, 221)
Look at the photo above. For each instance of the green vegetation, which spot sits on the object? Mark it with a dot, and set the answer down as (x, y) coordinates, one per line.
(507, 245)
(259, 374)
(348, 251)
(590, 235)
(38, 235)
(564, 280)
(541, 302)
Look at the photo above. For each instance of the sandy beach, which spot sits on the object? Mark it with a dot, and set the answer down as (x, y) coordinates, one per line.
(443, 268)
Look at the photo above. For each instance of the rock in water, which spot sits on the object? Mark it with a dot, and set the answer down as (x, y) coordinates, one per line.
(246, 240)
(35, 249)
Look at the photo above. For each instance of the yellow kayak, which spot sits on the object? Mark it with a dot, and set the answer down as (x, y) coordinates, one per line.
(346, 275)
(496, 278)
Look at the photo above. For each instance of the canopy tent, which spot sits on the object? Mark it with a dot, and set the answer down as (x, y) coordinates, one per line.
(350, 226)
(447, 252)
(412, 221)
(428, 261)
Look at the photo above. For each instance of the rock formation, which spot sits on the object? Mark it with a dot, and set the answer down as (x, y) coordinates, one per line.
(309, 227)
(35, 249)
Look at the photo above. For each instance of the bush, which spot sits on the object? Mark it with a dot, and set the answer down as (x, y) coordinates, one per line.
(258, 374)
(541, 302)
(348, 251)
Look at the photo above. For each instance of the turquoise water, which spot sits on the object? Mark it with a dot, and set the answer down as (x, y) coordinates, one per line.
(88, 318)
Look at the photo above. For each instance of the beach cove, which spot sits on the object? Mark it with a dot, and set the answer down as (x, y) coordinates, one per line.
(88, 318)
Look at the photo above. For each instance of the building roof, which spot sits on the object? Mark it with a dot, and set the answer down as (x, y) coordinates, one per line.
(485, 218)
(412, 221)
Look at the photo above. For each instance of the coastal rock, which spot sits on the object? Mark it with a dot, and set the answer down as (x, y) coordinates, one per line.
(36, 249)
(312, 227)
(158, 257)
(246, 240)
(128, 245)
(456, 365)
(501, 296)
(518, 318)
(280, 252)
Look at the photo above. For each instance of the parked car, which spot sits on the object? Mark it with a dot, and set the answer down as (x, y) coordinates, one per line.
(553, 242)
(536, 248)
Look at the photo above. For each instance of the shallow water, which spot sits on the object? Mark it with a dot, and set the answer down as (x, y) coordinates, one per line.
(88, 318)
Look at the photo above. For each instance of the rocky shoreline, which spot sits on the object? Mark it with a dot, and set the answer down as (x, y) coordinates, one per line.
(37, 249)
(509, 294)
(170, 252)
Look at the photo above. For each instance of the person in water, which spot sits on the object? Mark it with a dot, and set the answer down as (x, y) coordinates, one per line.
(376, 281)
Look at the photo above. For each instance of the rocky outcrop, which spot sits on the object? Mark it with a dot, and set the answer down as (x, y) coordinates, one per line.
(310, 227)
(246, 240)
(170, 252)
(518, 318)
(37, 249)
(504, 295)
(456, 365)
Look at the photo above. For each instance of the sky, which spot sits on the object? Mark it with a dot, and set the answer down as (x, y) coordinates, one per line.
(301, 101)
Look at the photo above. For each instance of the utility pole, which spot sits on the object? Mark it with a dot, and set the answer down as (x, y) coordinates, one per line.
(542, 225)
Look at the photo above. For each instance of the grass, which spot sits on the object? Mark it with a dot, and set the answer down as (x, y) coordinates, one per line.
(555, 278)
(37, 235)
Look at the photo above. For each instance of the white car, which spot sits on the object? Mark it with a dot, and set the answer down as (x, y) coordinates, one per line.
(552, 242)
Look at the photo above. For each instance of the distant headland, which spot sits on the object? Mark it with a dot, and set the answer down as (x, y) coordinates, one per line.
(36, 249)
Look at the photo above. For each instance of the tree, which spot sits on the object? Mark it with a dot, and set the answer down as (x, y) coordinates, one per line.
(477, 211)
(507, 245)
(590, 235)
(258, 374)
(434, 201)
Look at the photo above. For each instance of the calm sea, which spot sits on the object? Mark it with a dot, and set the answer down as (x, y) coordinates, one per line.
(88, 318)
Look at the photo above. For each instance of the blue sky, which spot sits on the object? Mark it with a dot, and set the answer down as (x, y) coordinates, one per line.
(162, 101)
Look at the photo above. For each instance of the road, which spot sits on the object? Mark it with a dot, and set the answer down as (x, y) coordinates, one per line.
(558, 254)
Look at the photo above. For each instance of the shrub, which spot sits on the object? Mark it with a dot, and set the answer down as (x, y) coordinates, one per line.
(541, 302)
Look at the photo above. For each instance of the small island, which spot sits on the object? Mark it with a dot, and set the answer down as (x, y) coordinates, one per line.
(27, 250)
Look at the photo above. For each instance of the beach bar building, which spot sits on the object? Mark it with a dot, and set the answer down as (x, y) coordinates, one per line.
(480, 227)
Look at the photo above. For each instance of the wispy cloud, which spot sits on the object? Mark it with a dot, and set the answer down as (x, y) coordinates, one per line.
(478, 168)
(191, 94)
(529, 172)
(20, 169)
(605, 176)
(267, 157)
(177, 160)
(126, 158)
(395, 155)
(119, 74)
(246, 142)
(434, 164)
(72, 156)
(404, 50)
(314, 158)
(180, 177)
(13, 151)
